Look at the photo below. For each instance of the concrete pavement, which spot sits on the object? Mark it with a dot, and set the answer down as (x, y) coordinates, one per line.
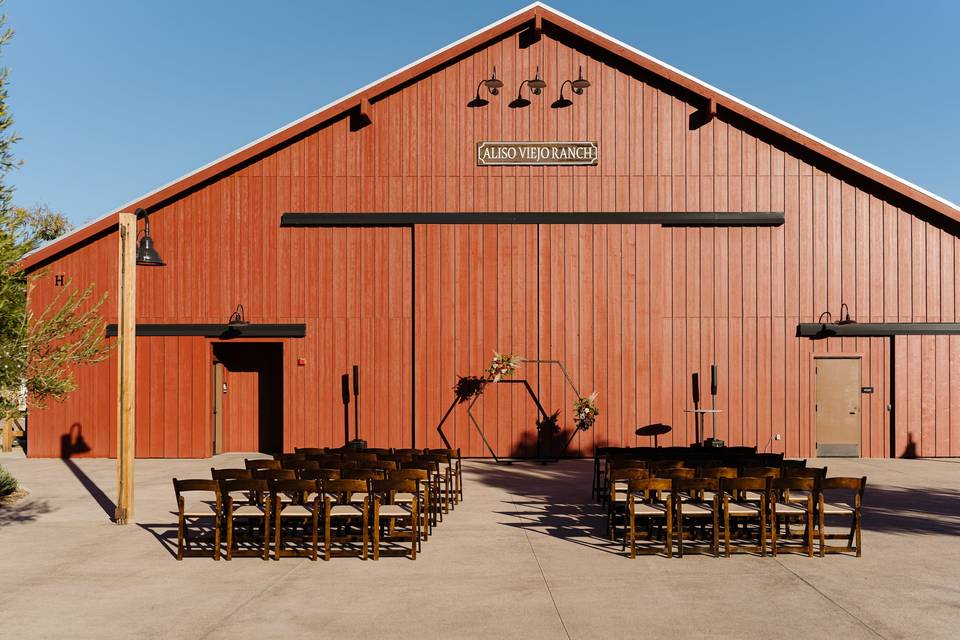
(522, 557)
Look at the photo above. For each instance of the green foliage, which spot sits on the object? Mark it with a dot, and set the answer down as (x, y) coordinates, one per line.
(37, 352)
(8, 484)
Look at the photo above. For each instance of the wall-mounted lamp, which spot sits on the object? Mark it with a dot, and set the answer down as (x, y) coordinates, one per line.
(493, 85)
(577, 86)
(146, 253)
(536, 86)
(237, 320)
(845, 319)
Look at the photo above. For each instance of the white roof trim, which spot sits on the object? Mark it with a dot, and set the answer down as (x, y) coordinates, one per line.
(467, 37)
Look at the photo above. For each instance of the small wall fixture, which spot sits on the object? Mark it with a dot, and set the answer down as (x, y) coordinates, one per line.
(536, 85)
(493, 85)
(577, 86)
(845, 319)
(237, 320)
(147, 255)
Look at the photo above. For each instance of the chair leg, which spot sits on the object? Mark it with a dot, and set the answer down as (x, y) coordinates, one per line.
(365, 522)
(180, 538)
(808, 533)
(820, 518)
(669, 536)
(857, 525)
(266, 536)
(716, 534)
(277, 542)
(216, 538)
(376, 531)
(773, 533)
(326, 535)
(229, 538)
(726, 531)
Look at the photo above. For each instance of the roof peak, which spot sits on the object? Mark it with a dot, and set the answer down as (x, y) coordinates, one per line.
(421, 65)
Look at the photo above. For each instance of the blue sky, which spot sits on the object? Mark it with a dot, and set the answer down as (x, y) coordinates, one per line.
(115, 97)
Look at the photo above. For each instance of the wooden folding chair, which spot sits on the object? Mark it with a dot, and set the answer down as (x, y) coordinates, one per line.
(192, 509)
(309, 451)
(444, 479)
(421, 477)
(618, 481)
(303, 509)
(386, 506)
(431, 509)
(651, 501)
(829, 504)
(736, 508)
(261, 463)
(455, 462)
(251, 516)
(341, 511)
(230, 474)
(697, 499)
(785, 506)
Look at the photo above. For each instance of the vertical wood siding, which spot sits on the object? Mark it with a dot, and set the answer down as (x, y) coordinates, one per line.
(631, 310)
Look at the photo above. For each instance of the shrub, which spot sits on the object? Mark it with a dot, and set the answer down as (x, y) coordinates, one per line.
(8, 484)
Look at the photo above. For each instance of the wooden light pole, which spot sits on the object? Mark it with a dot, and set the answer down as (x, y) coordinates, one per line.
(126, 366)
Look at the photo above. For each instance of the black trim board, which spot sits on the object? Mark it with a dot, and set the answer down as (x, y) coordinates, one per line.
(675, 219)
(218, 330)
(876, 329)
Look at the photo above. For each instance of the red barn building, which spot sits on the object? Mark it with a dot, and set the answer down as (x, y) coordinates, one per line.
(658, 225)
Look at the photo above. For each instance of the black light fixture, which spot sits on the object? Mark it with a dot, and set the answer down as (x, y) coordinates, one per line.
(237, 321)
(845, 319)
(536, 85)
(577, 86)
(493, 85)
(147, 255)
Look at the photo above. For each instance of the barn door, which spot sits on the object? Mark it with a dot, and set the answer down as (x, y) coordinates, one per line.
(837, 406)
(249, 408)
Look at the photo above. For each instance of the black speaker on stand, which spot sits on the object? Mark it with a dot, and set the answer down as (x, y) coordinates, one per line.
(713, 441)
(697, 420)
(356, 443)
(345, 396)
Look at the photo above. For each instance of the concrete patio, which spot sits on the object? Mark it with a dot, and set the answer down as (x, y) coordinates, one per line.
(522, 557)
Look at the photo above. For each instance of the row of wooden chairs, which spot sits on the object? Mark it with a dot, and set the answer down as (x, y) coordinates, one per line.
(672, 509)
(292, 511)
(688, 456)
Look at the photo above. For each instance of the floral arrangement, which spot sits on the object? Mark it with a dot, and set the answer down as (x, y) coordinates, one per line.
(585, 412)
(468, 387)
(502, 366)
(549, 425)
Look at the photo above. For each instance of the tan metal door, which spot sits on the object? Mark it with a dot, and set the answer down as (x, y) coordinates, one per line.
(217, 407)
(837, 406)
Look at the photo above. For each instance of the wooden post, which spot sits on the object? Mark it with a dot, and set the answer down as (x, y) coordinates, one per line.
(126, 366)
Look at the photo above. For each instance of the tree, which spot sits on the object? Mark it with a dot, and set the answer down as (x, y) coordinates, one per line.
(38, 352)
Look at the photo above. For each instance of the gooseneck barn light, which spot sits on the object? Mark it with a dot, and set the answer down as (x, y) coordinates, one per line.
(845, 319)
(236, 320)
(493, 85)
(577, 86)
(536, 85)
(147, 255)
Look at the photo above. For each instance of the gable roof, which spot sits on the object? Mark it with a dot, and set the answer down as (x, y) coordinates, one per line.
(538, 13)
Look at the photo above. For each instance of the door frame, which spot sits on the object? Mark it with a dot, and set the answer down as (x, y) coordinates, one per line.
(832, 355)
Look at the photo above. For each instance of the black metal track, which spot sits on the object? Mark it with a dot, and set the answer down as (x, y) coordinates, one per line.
(876, 329)
(218, 330)
(675, 219)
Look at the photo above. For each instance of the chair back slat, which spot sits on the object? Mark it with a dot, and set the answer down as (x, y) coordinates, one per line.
(231, 474)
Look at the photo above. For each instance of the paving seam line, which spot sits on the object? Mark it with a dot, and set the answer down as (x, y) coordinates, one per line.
(216, 625)
(831, 600)
(543, 576)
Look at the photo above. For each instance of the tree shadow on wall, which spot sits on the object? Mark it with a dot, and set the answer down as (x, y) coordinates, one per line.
(71, 444)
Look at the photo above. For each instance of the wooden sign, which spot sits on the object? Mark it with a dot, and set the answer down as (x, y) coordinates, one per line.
(511, 154)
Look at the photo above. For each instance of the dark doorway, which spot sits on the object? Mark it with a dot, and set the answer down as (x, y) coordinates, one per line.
(248, 397)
